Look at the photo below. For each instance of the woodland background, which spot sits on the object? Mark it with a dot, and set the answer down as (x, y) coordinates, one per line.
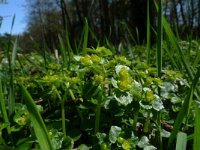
(116, 21)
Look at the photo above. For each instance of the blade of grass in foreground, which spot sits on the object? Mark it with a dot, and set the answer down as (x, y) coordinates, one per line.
(12, 25)
(11, 102)
(197, 128)
(85, 35)
(159, 63)
(3, 109)
(181, 141)
(159, 39)
(183, 112)
(63, 52)
(148, 34)
(37, 121)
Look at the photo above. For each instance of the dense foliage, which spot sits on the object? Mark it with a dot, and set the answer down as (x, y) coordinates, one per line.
(96, 100)
(81, 97)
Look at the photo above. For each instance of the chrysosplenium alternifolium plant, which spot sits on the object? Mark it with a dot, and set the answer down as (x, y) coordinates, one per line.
(100, 84)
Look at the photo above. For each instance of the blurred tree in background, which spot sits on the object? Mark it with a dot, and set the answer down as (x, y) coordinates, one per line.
(117, 21)
(183, 15)
(114, 20)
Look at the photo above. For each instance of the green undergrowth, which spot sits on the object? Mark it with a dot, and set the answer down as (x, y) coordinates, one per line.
(99, 100)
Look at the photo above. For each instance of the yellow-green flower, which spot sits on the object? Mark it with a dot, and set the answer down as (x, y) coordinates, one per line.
(123, 73)
(124, 85)
(86, 60)
(149, 96)
(50, 78)
(98, 79)
(95, 59)
(126, 145)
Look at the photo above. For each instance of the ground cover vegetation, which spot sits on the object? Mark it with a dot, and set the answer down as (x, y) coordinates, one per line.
(66, 92)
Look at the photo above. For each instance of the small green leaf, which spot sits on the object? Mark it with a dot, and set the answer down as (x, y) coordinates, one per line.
(165, 133)
(114, 133)
(124, 100)
(181, 142)
(56, 138)
(101, 137)
(145, 106)
(150, 147)
(118, 68)
(83, 147)
(102, 51)
(68, 143)
(144, 141)
(157, 104)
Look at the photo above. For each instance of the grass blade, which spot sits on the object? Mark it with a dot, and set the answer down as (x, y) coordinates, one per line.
(85, 36)
(11, 102)
(183, 112)
(69, 50)
(62, 49)
(159, 63)
(37, 121)
(181, 141)
(14, 52)
(12, 25)
(148, 33)
(175, 44)
(3, 109)
(197, 128)
(159, 39)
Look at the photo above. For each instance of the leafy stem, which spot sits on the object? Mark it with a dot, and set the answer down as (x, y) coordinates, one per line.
(62, 111)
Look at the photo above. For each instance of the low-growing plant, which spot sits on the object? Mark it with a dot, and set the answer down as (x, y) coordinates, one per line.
(102, 101)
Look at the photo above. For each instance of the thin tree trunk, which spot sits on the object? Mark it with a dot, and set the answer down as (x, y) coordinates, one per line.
(193, 13)
(182, 12)
(175, 15)
(78, 12)
(199, 17)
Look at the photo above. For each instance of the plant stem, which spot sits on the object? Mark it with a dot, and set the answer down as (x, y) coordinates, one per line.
(159, 130)
(97, 119)
(159, 39)
(159, 64)
(62, 111)
(135, 119)
(63, 117)
(148, 34)
(3, 110)
(146, 125)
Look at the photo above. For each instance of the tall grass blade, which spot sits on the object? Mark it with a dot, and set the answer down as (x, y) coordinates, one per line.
(37, 121)
(11, 102)
(62, 50)
(174, 42)
(137, 36)
(170, 53)
(159, 63)
(179, 119)
(197, 128)
(181, 141)
(69, 50)
(12, 25)
(85, 35)
(159, 39)
(125, 26)
(3, 109)
(184, 109)
(14, 52)
(148, 33)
